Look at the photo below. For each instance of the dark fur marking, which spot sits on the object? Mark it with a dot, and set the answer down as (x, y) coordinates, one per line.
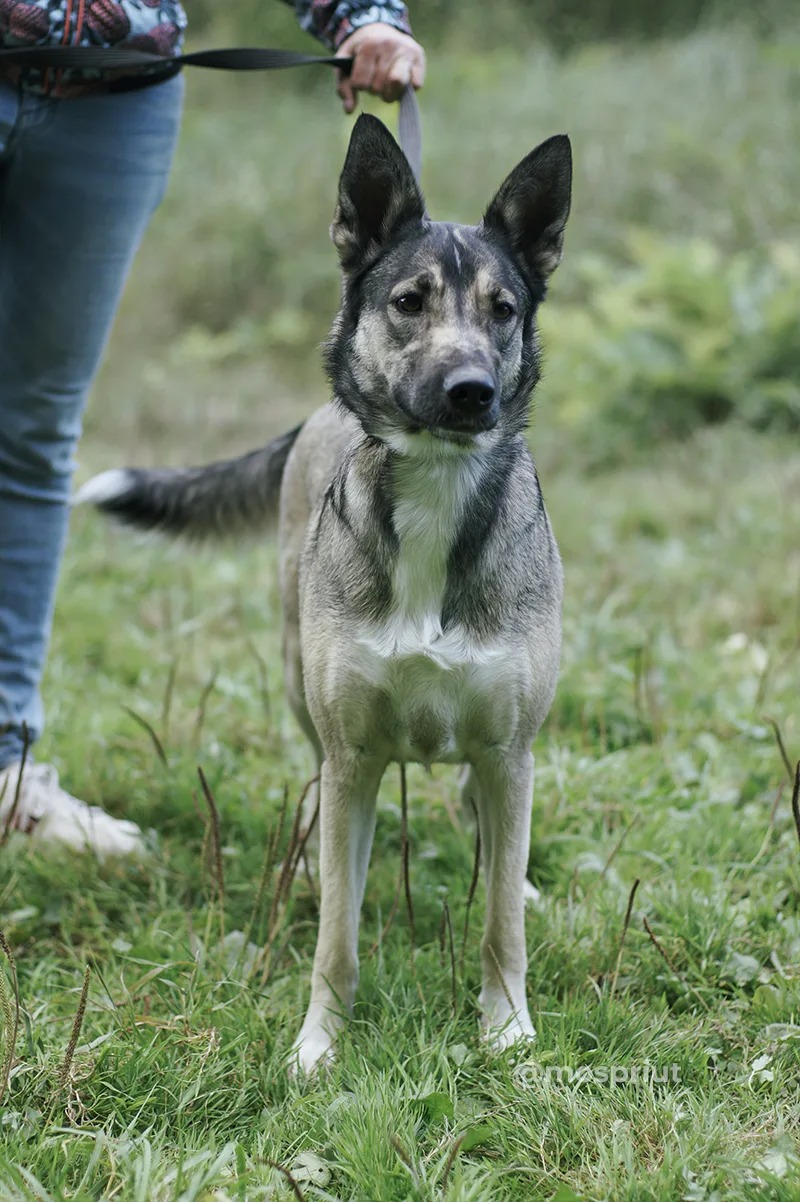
(464, 568)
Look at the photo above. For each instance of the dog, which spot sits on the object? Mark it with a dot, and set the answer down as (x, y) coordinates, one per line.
(421, 583)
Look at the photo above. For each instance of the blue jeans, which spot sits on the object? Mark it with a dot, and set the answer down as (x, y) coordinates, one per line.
(79, 180)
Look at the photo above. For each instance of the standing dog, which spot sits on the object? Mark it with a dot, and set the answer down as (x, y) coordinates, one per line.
(420, 579)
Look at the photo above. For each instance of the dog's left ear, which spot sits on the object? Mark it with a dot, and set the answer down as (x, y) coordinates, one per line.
(532, 205)
(377, 195)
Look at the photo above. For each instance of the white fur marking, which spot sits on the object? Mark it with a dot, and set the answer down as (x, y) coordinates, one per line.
(434, 483)
(432, 492)
(456, 254)
(108, 486)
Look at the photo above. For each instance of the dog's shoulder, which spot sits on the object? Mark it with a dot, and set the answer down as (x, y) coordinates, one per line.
(312, 465)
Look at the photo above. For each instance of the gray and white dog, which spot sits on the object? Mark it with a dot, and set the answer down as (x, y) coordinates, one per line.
(420, 579)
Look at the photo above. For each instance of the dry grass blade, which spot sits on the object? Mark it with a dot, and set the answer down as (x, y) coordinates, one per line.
(298, 1193)
(612, 856)
(294, 851)
(405, 853)
(645, 701)
(689, 988)
(9, 1004)
(796, 799)
(625, 925)
(264, 956)
(451, 1159)
(275, 842)
(312, 889)
(288, 869)
(448, 927)
(306, 834)
(781, 748)
(404, 1156)
(166, 705)
(200, 720)
(291, 862)
(12, 813)
(216, 836)
(500, 975)
(392, 912)
(263, 677)
(473, 885)
(75, 1034)
(258, 901)
(145, 725)
(770, 827)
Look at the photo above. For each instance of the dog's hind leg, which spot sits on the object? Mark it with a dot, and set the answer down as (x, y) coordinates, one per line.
(504, 800)
(469, 804)
(347, 824)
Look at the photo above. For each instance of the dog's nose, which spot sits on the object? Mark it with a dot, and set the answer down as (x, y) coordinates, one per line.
(469, 389)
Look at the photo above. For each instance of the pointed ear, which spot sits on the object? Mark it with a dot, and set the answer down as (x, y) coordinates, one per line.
(532, 205)
(377, 195)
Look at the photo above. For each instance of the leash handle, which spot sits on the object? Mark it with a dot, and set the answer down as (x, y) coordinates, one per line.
(256, 58)
(409, 130)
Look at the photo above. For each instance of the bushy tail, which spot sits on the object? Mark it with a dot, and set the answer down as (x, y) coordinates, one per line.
(219, 500)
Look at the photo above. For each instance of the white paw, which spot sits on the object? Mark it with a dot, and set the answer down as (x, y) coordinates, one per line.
(531, 894)
(512, 1032)
(312, 1050)
(503, 1027)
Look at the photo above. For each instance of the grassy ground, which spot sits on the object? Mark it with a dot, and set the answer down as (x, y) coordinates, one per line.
(667, 1061)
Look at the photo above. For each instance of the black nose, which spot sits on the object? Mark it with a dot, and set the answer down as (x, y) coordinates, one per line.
(470, 390)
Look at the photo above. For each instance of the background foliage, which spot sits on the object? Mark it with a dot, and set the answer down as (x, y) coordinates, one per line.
(563, 23)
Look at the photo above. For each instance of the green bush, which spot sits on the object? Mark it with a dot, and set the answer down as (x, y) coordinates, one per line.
(678, 337)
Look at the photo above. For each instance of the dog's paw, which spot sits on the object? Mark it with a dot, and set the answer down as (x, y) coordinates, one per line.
(510, 1035)
(312, 1051)
(502, 1027)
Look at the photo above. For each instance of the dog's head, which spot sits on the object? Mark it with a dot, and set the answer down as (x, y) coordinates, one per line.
(436, 335)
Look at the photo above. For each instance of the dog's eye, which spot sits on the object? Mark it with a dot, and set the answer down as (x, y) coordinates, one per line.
(502, 310)
(409, 302)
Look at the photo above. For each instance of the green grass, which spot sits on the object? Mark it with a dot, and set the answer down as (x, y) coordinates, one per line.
(658, 762)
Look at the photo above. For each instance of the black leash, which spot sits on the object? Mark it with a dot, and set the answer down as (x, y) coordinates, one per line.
(114, 58)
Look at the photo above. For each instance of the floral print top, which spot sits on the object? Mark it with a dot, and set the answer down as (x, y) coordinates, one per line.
(156, 26)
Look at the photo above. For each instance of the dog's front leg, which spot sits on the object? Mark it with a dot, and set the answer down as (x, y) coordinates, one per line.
(348, 788)
(504, 800)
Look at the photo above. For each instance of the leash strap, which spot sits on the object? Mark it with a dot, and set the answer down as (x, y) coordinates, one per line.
(114, 58)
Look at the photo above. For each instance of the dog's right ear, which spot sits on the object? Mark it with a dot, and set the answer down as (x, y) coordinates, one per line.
(377, 195)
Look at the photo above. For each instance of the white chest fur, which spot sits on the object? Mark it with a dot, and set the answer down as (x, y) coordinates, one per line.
(441, 685)
(432, 494)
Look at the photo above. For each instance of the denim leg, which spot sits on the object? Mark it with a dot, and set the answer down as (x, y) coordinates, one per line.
(79, 180)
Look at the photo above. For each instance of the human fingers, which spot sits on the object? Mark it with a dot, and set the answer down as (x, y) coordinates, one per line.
(384, 62)
(346, 92)
(360, 76)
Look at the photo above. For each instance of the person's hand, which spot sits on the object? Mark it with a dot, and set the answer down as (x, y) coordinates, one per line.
(384, 61)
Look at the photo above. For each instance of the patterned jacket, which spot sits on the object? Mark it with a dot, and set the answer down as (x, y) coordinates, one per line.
(152, 25)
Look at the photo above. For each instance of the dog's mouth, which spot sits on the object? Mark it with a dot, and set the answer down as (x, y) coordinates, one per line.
(461, 424)
(450, 425)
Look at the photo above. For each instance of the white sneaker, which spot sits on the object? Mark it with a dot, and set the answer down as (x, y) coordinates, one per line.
(49, 814)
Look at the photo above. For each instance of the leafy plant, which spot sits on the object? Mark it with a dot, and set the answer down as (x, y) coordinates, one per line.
(679, 336)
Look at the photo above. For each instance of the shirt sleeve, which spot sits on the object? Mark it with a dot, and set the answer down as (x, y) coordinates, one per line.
(334, 20)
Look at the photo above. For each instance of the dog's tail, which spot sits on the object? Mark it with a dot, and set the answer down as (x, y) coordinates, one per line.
(219, 500)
